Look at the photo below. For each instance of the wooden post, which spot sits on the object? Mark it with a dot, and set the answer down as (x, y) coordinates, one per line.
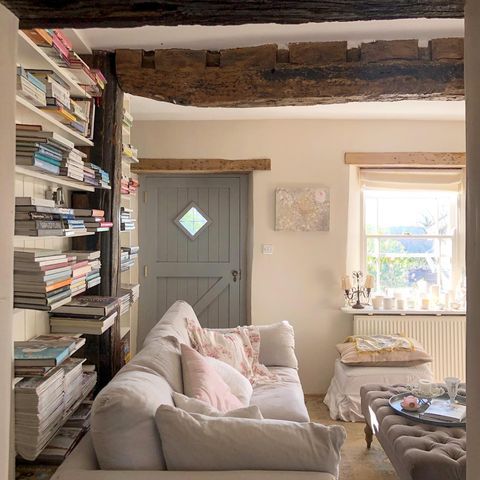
(107, 154)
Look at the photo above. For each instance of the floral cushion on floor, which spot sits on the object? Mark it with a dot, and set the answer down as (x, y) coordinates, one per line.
(239, 347)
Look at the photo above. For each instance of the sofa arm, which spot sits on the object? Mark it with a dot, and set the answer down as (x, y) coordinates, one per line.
(210, 475)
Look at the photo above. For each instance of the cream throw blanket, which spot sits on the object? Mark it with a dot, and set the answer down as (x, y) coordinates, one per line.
(381, 343)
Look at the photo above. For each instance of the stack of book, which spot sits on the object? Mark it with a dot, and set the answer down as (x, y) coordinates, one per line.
(102, 177)
(59, 48)
(133, 291)
(124, 300)
(73, 343)
(80, 269)
(72, 164)
(124, 190)
(126, 220)
(58, 92)
(129, 153)
(128, 257)
(29, 88)
(129, 186)
(40, 150)
(72, 381)
(132, 251)
(133, 185)
(43, 403)
(93, 219)
(61, 445)
(86, 315)
(41, 279)
(93, 258)
(39, 411)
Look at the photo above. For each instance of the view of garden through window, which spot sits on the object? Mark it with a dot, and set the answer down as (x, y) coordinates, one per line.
(193, 221)
(410, 238)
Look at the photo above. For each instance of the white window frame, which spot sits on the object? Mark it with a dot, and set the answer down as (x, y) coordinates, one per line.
(458, 237)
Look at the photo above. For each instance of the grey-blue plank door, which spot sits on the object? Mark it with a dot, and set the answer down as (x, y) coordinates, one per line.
(192, 235)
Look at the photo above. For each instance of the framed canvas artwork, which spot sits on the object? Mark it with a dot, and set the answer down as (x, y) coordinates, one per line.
(304, 209)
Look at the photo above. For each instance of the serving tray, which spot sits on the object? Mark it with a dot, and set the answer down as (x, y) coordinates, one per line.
(395, 403)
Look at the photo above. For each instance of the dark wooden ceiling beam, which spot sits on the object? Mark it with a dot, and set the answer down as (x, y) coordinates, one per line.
(306, 74)
(134, 13)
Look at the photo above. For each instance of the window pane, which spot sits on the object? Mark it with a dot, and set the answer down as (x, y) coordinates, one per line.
(409, 212)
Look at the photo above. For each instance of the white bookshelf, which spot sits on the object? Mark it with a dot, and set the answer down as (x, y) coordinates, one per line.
(34, 183)
(55, 179)
(32, 56)
(49, 123)
(129, 320)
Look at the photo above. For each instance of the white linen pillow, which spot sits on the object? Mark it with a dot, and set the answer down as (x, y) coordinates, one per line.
(252, 444)
(193, 405)
(239, 385)
(277, 345)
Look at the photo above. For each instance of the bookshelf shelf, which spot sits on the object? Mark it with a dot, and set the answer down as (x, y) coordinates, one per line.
(50, 237)
(67, 132)
(33, 56)
(59, 180)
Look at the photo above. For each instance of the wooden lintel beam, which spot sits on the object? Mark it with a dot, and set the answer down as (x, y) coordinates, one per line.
(201, 165)
(305, 74)
(406, 159)
(135, 13)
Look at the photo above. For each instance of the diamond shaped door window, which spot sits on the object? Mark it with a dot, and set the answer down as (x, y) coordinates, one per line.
(192, 220)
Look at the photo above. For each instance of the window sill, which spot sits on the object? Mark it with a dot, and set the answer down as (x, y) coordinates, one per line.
(371, 311)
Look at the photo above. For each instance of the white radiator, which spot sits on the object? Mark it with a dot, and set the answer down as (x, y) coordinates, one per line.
(444, 337)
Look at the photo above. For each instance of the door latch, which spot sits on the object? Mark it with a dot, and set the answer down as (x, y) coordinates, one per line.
(236, 274)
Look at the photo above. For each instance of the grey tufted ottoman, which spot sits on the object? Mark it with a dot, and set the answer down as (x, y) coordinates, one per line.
(417, 451)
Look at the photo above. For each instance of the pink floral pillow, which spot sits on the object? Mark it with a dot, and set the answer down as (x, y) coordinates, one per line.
(201, 381)
(239, 347)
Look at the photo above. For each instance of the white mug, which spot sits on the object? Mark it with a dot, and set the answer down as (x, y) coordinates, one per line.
(377, 302)
(425, 387)
(388, 303)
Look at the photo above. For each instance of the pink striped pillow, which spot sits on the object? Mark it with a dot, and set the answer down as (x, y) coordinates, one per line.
(201, 381)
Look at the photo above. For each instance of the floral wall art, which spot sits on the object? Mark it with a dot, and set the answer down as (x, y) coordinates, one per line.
(304, 209)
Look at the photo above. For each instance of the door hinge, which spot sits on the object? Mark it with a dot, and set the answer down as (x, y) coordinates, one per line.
(145, 271)
(144, 196)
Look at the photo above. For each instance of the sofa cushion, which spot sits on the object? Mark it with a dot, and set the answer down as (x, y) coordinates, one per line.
(239, 385)
(161, 357)
(201, 381)
(173, 323)
(277, 345)
(123, 427)
(246, 444)
(193, 405)
(283, 399)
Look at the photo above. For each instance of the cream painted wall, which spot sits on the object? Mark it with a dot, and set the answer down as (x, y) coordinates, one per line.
(8, 38)
(300, 281)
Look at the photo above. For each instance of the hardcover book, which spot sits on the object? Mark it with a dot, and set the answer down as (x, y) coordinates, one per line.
(35, 353)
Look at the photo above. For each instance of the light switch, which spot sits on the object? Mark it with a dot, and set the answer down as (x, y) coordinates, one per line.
(267, 249)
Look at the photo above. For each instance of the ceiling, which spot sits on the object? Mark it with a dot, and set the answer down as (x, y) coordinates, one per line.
(219, 37)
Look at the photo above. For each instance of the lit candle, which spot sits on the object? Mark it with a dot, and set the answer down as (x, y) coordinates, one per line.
(369, 281)
(348, 283)
(425, 303)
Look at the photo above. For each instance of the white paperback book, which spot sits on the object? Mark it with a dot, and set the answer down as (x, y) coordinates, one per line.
(444, 411)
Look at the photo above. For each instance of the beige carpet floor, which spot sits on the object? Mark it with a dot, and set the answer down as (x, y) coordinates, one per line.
(358, 463)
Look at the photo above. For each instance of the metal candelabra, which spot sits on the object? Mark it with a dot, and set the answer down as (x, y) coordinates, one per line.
(355, 293)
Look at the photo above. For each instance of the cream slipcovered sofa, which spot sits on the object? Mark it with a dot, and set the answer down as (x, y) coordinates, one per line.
(124, 442)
